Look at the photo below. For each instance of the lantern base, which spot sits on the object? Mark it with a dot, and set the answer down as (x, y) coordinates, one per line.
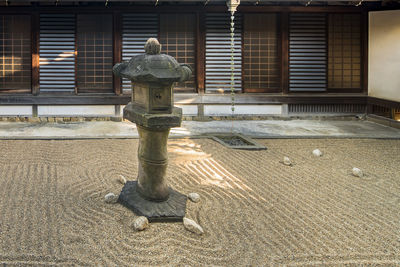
(171, 210)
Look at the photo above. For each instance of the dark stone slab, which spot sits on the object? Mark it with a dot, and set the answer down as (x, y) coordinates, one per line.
(171, 210)
(237, 141)
(136, 114)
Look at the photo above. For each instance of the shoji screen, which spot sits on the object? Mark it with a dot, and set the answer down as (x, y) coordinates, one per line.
(15, 53)
(177, 36)
(344, 60)
(95, 53)
(260, 53)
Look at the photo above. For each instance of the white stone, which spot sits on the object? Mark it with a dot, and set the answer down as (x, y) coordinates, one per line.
(361, 116)
(287, 161)
(194, 197)
(121, 179)
(140, 223)
(317, 152)
(357, 172)
(192, 226)
(111, 198)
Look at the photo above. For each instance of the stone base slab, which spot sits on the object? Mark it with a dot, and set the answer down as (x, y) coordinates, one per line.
(136, 114)
(171, 210)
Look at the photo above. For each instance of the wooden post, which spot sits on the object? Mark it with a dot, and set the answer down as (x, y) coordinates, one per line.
(35, 26)
(200, 52)
(285, 52)
(117, 49)
(364, 51)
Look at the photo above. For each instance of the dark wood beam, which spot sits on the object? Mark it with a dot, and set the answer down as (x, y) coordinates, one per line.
(383, 102)
(179, 9)
(196, 99)
(305, 9)
(364, 52)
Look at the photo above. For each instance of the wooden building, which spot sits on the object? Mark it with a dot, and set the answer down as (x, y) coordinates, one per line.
(291, 57)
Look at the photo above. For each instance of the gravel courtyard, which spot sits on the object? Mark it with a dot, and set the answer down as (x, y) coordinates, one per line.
(254, 210)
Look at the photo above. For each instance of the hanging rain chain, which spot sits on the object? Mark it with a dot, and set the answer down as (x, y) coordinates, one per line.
(233, 63)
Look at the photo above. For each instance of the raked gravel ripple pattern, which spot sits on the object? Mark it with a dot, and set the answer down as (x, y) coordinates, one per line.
(254, 210)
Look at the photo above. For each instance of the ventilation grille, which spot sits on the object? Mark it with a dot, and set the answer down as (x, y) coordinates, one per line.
(307, 52)
(57, 53)
(327, 108)
(136, 29)
(218, 52)
(382, 111)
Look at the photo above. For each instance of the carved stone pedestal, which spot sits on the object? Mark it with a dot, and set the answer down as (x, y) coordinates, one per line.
(150, 195)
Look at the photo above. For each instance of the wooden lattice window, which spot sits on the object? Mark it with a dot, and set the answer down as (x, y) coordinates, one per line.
(260, 53)
(95, 53)
(15, 53)
(177, 36)
(344, 55)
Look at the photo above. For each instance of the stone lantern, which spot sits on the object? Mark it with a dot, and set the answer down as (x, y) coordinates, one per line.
(153, 76)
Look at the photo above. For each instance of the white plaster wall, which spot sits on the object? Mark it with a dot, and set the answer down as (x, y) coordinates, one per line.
(384, 55)
(224, 110)
(15, 110)
(77, 110)
(188, 110)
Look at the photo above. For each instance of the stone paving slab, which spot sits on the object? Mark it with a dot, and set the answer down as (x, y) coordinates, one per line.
(251, 128)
